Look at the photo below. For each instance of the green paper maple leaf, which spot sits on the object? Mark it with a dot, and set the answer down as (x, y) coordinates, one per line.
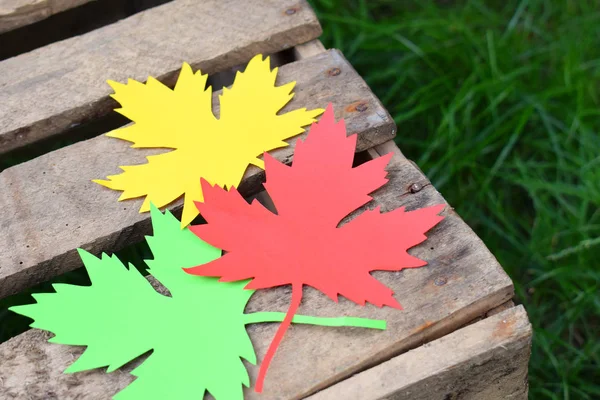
(197, 336)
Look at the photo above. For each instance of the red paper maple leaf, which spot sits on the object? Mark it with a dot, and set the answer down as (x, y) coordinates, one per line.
(302, 244)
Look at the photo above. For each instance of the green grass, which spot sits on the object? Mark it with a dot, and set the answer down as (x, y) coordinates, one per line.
(499, 105)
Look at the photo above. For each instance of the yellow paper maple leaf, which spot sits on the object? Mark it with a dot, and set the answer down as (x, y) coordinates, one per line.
(218, 150)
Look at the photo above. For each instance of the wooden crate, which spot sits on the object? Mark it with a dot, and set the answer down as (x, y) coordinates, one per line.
(459, 336)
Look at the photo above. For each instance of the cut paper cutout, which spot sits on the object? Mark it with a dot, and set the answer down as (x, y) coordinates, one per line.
(302, 244)
(218, 150)
(198, 336)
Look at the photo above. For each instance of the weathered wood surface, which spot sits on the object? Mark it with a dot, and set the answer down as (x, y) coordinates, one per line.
(54, 88)
(49, 206)
(17, 13)
(487, 360)
(462, 281)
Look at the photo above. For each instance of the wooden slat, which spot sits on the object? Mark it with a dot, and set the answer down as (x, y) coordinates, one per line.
(18, 13)
(487, 360)
(54, 88)
(49, 206)
(308, 49)
(462, 281)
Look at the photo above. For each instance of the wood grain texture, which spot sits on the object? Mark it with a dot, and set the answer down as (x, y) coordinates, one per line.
(47, 91)
(17, 13)
(49, 206)
(462, 281)
(487, 360)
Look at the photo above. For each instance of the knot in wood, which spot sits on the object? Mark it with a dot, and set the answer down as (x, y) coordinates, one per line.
(414, 188)
(361, 107)
(334, 72)
(440, 281)
(290, 11)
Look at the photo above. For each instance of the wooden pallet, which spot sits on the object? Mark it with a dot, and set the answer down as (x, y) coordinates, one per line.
(459, 335)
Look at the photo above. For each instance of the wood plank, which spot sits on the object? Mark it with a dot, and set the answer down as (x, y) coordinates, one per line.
(487, 360)
(463, 280)
(18, 13)
(66, 80)
(49, 206)
(308, 49)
